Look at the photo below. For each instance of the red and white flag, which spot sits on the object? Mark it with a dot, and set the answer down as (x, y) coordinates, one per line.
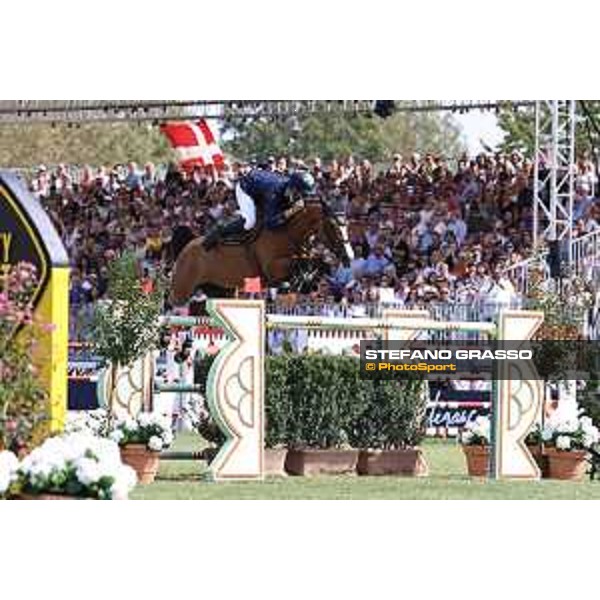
(194, 143)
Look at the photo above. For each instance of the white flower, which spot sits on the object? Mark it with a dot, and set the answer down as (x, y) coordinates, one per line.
(144, 419)
(155, 443)
(94, 459)
(589, 440)
(567, 426)
(563, 442)
(117, 436)
(130, 424)
(88, 471)
(8, 461)
(588, 428)
(467, 437)
(167, 437)
(8, 469)
(125, 480)
(547, 433)
(480, 428)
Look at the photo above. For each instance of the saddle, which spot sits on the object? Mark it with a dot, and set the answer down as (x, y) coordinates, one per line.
(243, 237)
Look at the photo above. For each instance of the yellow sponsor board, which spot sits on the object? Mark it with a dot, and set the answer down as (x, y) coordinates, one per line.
(27, 235)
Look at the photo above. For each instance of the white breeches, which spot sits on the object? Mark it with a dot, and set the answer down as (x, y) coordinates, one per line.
(247, 208)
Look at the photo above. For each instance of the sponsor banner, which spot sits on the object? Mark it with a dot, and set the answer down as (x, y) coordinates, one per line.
(488, 360)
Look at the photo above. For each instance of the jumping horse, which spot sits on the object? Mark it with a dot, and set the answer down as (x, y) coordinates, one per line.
(270, 254)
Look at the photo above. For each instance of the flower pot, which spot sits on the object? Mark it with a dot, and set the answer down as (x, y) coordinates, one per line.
(143, 461)
(48, 497)
(569, 465)
(275, 461)
(540, 457)
(410, 461)
(321, 462)
(477, 460)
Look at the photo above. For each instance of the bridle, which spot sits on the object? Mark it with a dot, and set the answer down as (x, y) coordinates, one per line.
(338, 221)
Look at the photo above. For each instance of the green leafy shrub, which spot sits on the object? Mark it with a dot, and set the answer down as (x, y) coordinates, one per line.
(589, 398)
(126, 323)
(326, 396)
(320, 401)
(204, 423)
(394, 417)
(277, 402)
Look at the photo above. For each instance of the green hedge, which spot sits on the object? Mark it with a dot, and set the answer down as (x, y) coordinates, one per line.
(320, 401)
(326, 399)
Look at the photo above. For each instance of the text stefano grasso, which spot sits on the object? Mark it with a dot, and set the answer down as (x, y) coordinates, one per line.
(471, 354)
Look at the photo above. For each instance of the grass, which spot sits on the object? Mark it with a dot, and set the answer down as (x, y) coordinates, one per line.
(182, 480)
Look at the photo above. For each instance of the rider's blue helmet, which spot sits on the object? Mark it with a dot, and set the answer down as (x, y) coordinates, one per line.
(302, 182)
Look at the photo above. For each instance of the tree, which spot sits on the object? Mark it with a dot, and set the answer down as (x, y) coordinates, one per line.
(338, 135)
(519, 127)
(26, 145)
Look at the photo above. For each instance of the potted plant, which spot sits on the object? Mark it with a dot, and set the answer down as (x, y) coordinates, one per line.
(475, 441)
(24, 402)
(74, 466)
(564, 303)
(141, 440)
(390, 429)
(567, 442)
(535, 445)
(125, 329)
(277, 413)
(326, 396)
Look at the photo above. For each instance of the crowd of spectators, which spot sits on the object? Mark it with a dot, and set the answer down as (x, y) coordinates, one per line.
(424, 229)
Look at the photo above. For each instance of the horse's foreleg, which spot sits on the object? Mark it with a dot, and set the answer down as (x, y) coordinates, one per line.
(277, 271)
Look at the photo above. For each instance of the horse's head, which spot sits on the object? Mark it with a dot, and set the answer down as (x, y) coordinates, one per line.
(335, 231)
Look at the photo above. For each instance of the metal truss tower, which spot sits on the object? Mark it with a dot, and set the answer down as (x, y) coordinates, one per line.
(554, 171)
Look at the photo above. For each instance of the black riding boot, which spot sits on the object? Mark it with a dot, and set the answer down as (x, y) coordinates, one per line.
(234, 224)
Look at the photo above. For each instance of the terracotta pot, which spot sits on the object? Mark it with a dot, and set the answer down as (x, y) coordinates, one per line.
(477, 460)
(321, 462)
(540, 457)
(569, 465)
(48, 497)
(275, 461)
(143, 461)
(410, 461)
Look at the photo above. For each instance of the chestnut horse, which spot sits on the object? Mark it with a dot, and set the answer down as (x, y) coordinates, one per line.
(269, 256)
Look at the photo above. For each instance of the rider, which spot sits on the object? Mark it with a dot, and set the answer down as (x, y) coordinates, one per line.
(279, 194)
